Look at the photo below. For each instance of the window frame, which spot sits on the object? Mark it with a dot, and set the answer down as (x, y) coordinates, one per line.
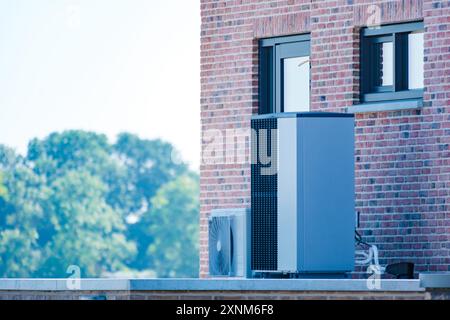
(398, 34)
(271, 57)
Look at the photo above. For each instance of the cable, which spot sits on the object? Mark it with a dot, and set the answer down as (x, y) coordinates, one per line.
(359, 239)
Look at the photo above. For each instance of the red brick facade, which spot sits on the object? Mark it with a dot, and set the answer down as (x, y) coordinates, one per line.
(402, 157)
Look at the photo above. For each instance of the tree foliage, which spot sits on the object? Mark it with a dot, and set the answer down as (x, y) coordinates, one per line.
(170, 223)
(3, 191)
(77, 199)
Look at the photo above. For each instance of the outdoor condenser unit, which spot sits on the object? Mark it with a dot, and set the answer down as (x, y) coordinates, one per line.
(302, 196)
(228, 239)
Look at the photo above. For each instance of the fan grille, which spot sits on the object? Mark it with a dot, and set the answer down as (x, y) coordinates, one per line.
(219, 246)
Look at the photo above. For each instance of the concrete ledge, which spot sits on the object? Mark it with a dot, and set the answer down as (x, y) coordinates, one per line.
(271, 285)
(344, 285)
(428, 287)
(64, 284)
(439, 280)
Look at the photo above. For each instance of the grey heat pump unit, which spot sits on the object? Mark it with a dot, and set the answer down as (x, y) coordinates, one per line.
(302, 196)
(228, 240)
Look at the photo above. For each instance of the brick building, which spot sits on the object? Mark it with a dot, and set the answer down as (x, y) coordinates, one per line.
(399, 91)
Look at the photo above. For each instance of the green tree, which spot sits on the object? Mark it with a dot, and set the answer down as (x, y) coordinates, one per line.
(3, 190)
(8, 158)
(20, 216)
(56, 213)
(149, 166)
(18, 253)
(19, 256)
(173, 226)
(71, 150)
(87, 231)
(77, 199)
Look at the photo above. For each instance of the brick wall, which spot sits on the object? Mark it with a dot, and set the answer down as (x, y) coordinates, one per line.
(402, 157)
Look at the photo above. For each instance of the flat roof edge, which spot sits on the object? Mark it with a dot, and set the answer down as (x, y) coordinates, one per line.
(435, 280)
(324, 285)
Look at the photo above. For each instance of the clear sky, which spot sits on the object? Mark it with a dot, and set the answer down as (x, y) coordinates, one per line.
(102, 65)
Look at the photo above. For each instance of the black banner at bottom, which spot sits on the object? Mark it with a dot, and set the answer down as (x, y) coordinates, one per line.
(229, 309)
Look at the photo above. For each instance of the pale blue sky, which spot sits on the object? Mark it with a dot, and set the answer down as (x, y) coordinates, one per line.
(102, 65)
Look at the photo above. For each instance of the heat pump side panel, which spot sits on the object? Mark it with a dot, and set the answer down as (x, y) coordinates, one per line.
(326, 194)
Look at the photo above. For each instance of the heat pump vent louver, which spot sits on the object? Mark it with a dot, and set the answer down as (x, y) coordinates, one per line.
(220, 246)
(264, 199)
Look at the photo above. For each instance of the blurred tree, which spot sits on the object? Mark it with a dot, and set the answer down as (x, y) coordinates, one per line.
(77, 199)
(87, 231)
(71, 150)
(20, 216)
(19, 255)
(8, 158)
(149, 166)
(3, 190)
(173, 224)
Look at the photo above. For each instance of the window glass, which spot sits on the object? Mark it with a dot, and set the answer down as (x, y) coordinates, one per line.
(296, 84)
(415, 59)
(385, 61)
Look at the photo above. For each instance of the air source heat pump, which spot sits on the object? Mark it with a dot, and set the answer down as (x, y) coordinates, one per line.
(229, 242)
(302, 197)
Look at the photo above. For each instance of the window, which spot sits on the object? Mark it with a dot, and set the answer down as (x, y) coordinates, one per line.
(392, 62)
(284, 74)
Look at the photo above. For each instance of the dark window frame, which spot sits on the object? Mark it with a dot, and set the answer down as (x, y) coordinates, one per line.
(271, 54)
(398, 34)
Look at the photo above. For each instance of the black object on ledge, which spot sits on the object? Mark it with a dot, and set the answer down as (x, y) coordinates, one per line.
(401, 270)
